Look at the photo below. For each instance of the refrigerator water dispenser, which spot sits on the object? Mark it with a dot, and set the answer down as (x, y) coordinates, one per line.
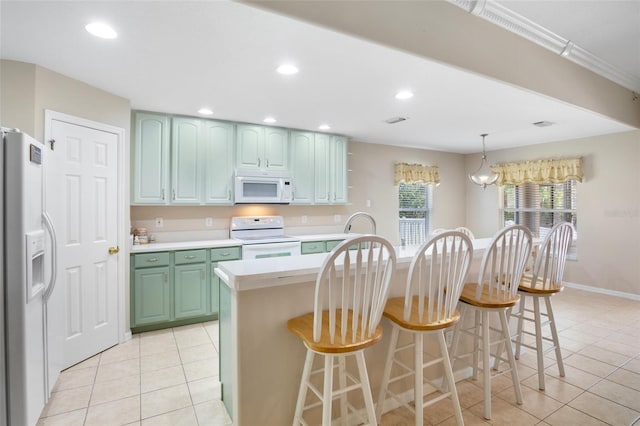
(35, 263)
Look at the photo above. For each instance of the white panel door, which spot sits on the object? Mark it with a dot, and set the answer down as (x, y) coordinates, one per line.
(82, 191)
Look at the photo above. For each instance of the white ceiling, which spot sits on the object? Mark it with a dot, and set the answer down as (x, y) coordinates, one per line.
(177, 57)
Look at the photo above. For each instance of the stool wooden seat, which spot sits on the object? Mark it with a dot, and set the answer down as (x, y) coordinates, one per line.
(544, 282)
(436, 275)
(351, 291)
(494, 292)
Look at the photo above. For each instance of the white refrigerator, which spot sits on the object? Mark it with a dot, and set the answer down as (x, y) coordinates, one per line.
(28, 270)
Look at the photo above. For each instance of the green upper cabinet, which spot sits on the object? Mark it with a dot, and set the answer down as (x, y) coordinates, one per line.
(201, 161)
(338, 166)
(186, 138)
(276, 148)
(261, 148)
(302, 167)
(218, 140)
(322, 162)
(318, 168)
(150, 160)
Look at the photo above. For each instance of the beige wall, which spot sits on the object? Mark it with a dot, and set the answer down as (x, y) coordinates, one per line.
(370, 178)
(608, 206)
(28, 89)
(18, 95)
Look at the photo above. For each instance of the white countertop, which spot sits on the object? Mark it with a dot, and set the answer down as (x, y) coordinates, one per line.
(183, 245)
(188, 245)
(241, 275)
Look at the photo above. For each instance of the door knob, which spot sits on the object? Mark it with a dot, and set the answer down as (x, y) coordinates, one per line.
(114, 250)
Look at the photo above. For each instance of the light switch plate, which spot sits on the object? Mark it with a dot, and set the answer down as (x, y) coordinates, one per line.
(159, 222)
(208, 221)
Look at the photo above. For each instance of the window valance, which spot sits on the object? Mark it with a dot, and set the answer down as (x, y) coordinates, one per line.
(416, 173)
(539, 171)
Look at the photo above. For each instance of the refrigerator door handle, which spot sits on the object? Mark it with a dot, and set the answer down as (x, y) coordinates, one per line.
(54, 255)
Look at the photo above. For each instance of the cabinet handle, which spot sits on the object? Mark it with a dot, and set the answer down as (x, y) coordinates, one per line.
(166, 277)
(152, 259)
(267, 163)
(258, 162)
(225, 254)
(174, 194)
(229, 195)
(163, 195)
(190, 257)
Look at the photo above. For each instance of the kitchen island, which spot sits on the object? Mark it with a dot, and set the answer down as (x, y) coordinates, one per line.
(261, 361)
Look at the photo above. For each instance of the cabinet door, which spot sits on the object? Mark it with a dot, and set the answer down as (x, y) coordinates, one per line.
(339, 170)
(214, 291)
(218, 143)
(190, 290)
(302, 164)
(250, 147)
(276, 149)
(150, 182)
(322, 168)
(185, 165)
(151, 296)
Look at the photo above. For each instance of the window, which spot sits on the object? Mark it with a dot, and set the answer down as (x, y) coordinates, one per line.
(540, 206)
(415, 211)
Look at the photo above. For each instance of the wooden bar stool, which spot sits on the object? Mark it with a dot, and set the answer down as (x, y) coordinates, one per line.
(544, 282)
(351, 291)
(436, 277)
(495, 292)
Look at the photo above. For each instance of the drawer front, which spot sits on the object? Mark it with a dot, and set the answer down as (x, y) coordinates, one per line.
(151, 259)
(309, 247)
(190, 256)
(225, 253)
(331, 244)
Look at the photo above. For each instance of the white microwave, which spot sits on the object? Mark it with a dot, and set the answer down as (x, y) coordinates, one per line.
(254, 187)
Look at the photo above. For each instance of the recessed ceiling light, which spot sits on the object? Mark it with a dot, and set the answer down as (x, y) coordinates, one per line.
(324, 127)
(205, 111)
(102, 30)
(287, 69)
(269, 120)
(405, 94)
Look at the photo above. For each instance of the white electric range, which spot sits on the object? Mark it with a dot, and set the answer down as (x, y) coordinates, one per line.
(263, 237)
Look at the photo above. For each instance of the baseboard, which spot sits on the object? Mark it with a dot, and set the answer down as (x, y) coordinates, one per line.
(606, 291)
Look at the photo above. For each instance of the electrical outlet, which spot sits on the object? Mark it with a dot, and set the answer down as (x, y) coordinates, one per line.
(159, 222)
(208, 221)
(304, 219)
(337, 218)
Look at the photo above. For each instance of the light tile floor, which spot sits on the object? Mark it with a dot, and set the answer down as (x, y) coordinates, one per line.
(600, 340)
(165, 377)
(170, 377)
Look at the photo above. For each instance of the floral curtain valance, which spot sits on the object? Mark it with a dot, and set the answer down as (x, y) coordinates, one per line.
(416, 173)
(539, 171)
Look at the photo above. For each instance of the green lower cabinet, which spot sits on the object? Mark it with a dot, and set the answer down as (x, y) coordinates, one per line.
(152, 301)
(214, 291)
(190, 290)
(331, 244)
(310, 247)
(174, 288)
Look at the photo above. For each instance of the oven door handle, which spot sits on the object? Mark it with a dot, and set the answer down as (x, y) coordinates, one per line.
(267, 250)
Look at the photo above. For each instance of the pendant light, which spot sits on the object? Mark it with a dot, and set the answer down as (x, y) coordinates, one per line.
(483, 176)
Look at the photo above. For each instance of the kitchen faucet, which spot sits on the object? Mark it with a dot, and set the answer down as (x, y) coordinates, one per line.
(347, 226)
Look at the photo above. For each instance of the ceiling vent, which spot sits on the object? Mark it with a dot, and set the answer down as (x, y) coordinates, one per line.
(543, 123)
(394, 120)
